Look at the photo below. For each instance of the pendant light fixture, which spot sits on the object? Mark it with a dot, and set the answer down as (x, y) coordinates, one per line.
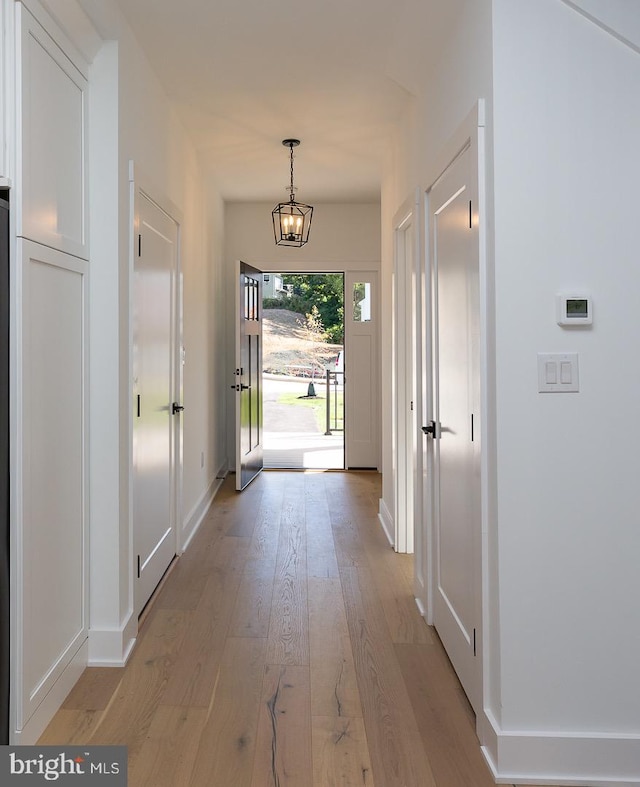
(291, 220)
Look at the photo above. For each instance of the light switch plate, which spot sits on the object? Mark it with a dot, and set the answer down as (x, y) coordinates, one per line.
(558, 373)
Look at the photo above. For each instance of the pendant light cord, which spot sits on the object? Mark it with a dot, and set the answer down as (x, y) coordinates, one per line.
(292, 193)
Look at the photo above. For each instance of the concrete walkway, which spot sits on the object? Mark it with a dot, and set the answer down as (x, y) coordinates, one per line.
(292, 438)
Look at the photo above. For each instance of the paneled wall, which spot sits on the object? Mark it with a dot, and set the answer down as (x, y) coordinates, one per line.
(49, 487)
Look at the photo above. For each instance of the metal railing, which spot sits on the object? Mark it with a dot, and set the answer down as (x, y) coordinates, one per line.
(335, 411)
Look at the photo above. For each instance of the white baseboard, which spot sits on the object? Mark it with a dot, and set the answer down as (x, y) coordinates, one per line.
(199, 511)
(560, 758)
(112, 647)
(42, 715)
(386, 520)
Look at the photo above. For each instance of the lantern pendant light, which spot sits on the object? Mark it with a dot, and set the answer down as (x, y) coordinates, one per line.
(291, 220)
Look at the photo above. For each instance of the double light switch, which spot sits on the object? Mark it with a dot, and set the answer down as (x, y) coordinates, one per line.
(558, 372)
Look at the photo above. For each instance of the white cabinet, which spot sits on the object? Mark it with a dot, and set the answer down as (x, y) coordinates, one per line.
(51, 544)
(50, 372)
(52, 155)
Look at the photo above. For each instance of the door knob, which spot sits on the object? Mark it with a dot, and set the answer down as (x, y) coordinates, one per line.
(176, 408)
(431, 429)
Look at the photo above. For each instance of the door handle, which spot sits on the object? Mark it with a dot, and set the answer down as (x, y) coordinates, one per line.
(176, 408)
(431, 429)
(244, 387)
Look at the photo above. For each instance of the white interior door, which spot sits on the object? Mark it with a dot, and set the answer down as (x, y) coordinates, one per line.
(154, 309)
(248, 374)
(361, 377)
(457, 515)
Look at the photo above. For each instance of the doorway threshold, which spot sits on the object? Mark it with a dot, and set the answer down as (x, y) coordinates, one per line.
(303, 451)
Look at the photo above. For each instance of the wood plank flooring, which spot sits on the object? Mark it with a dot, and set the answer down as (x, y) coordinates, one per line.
(284, 650)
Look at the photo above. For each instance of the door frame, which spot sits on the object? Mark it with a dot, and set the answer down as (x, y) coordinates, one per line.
(139, 184)
(352, 458)
(406, 367)
(287, 270)
(471, 133)
(346, 267)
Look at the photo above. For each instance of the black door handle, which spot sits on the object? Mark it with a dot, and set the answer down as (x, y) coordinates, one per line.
(244, 387)
(431, 429)
(176, 408)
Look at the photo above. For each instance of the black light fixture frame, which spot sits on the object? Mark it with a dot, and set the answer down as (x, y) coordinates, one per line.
(291, 220)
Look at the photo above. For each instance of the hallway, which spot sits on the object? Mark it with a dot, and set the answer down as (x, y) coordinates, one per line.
(284, 648)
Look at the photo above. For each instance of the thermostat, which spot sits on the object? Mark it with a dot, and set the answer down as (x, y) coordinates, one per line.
(574, 310)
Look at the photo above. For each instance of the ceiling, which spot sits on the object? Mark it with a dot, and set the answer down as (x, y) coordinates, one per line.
(245, 74)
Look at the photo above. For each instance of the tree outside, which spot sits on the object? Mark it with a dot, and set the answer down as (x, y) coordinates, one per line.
(324, 291)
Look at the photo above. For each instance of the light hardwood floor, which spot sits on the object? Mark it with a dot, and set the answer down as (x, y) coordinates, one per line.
(284, 650)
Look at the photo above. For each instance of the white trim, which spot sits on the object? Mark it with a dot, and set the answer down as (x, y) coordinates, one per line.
(33, 23)
(198, 512)
(140, 185)
(421, 607)
(386, 520)
(579, 759)
(155, 194)
(362, 450)
(54, 31)
(469, 135)
(75, 24)
(614, 26)
(52, 701)
(405, 373)
(16, 387)
(455, 144)
(112, 647)
(319, 266)
(26, 700)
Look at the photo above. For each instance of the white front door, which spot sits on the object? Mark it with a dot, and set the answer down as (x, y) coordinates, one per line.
(361, 378)
(457, 515)
(155, 281)
(248, 374)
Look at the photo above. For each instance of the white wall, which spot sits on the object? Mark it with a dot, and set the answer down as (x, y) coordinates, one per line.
(342, 238)
(133, 121)
(109, 591)
(567, 122)
(339, 234)
(563, 114)
(446, 82)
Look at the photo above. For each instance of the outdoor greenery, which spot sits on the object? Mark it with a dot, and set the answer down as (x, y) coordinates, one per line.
(325, 291)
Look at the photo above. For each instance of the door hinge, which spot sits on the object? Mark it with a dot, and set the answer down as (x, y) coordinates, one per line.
(471, 427)
(474, 642)
(470, 216)
(138, 566)
(140, 245)
(411, 406)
